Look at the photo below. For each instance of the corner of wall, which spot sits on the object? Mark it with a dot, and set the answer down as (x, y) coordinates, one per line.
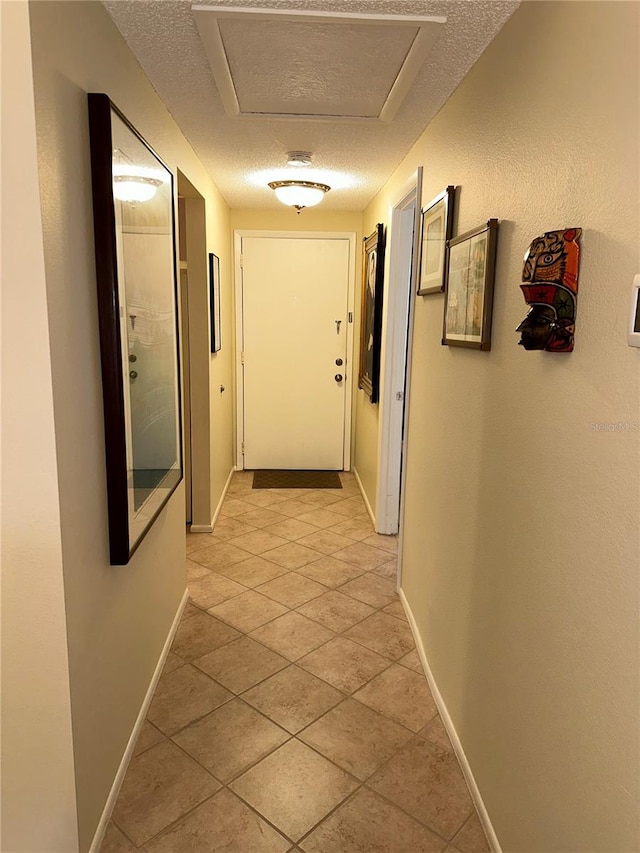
(39, 810)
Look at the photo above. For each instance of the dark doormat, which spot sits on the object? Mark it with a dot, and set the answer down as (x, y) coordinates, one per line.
(296, 480)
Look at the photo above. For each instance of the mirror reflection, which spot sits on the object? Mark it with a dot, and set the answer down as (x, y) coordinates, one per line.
(145, 257)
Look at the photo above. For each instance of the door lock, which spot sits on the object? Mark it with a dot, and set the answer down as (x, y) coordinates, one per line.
(338, 377)
(339, 362)
(133, 374)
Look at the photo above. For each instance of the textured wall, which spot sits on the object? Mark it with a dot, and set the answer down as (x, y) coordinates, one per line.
(521, 545)
(38, 785)
(287, 219)
(222, 363)
(117, 617)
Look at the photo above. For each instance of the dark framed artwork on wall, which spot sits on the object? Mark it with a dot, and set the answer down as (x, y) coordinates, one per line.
(371, 314)
(214, 301)
(134, 233)
(468, 304)
(436, 230)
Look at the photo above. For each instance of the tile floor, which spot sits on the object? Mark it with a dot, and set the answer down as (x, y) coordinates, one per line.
(292, 713)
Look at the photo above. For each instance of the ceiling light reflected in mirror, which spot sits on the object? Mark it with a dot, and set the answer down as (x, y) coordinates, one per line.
(135, 184)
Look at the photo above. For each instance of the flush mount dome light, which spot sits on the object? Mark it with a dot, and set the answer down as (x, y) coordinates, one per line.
(135, 183)
(299, 194)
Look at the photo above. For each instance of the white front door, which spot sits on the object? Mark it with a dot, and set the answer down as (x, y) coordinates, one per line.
(294, 328)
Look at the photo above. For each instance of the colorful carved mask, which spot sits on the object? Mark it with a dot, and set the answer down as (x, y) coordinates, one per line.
(550, 287)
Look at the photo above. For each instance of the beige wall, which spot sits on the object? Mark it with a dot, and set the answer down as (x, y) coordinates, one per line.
(117, 617)
(521, 545)
(222, 363)
(287, 219)
(38, 786)
(367, 413)
(212, 434)
(365, 456)
(193, 246)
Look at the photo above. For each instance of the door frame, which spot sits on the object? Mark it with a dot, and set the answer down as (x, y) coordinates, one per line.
(193, 231)
(402, 272)
(239, 311)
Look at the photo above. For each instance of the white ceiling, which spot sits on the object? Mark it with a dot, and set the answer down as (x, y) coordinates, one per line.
(250, 80)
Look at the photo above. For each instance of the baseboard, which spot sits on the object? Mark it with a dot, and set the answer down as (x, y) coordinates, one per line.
(483, 814)
(364, 496)
(142, 715)
(208, 528)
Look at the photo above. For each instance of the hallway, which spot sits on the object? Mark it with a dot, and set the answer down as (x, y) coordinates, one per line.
(293, 708)
(520, 543)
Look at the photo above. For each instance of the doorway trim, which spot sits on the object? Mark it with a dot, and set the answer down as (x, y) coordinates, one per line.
(239, 309)
(194, 234)
(402, 274)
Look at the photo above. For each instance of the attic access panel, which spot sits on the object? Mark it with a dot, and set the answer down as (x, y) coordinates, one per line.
(295, 64)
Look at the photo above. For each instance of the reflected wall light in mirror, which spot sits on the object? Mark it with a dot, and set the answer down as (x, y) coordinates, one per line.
(133, 209)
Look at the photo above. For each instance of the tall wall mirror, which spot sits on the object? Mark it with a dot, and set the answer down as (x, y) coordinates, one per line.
(133, 208)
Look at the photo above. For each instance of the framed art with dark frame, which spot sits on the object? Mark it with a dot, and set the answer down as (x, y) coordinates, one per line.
(436, 230)
(468, 303)
(214, 301)
(134, 233)
(371, 316)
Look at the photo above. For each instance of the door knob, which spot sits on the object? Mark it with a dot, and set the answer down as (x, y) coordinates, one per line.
(339, 362)
(338, 377)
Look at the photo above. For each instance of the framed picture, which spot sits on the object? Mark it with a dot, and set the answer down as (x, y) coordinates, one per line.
(371, 317)
(134, 234)
(214, 301)
(468, 301)
(437, 229)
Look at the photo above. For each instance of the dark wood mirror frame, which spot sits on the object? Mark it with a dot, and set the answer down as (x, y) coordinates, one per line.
(132, 509)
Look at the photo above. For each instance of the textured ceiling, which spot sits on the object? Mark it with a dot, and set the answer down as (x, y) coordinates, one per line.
(355, 157)
(329, 68)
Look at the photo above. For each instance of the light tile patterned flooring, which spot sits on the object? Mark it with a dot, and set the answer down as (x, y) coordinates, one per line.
(292, 709)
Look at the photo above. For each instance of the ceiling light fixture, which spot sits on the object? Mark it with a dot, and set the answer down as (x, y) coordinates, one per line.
(135, 183)
(299, 194)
